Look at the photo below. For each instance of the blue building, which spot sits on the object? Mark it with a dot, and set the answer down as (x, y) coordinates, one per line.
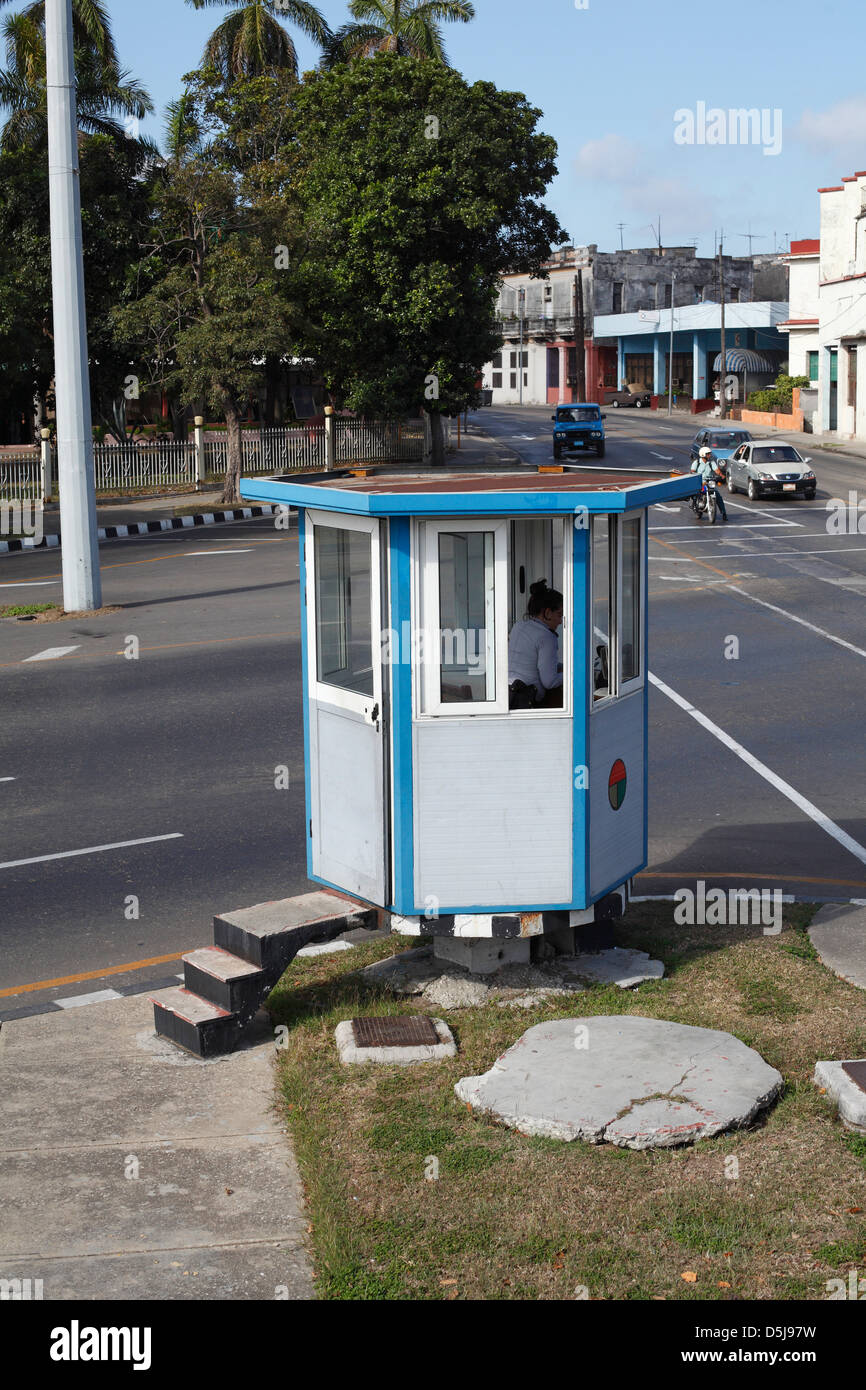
(642, 342)
(426, 794)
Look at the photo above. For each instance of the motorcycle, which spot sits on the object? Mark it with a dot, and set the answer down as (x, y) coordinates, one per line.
(705, 504)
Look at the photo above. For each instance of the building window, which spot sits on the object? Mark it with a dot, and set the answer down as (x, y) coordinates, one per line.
(667, 296)
(497, 381)
(514, 359)
(639, 369)
(733, 295)
(467, 673)
(497, 360)
(617, 297)
(514, 381)
(344, 636)
(812, 358)
(616, 641)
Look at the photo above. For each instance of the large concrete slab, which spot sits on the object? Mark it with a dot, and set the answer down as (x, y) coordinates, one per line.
(838, 933)
(124, 1163)
(635, 1082)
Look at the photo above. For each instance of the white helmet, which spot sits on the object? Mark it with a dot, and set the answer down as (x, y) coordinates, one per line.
(706, 452)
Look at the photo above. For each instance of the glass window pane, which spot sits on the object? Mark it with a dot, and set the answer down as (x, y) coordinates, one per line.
(467, 672)
(600, 645)
(630, 531)
(344, 634)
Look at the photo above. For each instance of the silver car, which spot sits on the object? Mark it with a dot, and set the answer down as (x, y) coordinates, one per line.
(768, 468)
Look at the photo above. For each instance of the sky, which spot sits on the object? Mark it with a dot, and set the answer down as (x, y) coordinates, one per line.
(622, 85)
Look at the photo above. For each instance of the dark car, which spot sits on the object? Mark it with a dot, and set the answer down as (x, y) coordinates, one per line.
(578, 427)
(722, 441)
(639, 399)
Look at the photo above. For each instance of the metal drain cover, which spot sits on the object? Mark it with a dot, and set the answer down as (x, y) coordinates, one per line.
(857, 1073)
(415, 1031)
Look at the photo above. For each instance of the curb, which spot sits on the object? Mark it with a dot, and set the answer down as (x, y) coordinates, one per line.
(145, 528)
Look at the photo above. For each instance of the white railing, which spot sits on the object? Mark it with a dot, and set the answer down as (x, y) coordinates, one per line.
(121, 466)
(20, 476)
(374, 441)
(273, 451)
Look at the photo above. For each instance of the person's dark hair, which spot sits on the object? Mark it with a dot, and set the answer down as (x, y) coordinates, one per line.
(541, 598)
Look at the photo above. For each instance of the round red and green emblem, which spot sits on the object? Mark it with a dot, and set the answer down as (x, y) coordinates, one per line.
(617, 783)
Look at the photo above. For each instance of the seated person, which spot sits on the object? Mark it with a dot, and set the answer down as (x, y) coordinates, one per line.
(534, 668)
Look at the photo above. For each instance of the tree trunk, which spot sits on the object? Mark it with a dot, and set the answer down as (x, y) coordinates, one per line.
(233, 460)
(437, 439)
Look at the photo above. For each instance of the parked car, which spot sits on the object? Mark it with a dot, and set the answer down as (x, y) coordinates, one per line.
(638, 399)
(766, 468)
(578, 427)
(723, 442)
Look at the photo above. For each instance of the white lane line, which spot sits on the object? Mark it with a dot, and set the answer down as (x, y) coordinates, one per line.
(52, 653)
(826, 824)
(31, 584)
(7, 779)
(668, 458)
(792, 617)
(747, 526)
(191, 553)
(98, 996)
(91, 849)
(661, 508)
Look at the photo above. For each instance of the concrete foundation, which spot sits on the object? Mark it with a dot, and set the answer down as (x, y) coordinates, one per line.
(480, 956)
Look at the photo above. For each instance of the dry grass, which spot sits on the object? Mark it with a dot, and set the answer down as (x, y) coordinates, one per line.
(514, 1218)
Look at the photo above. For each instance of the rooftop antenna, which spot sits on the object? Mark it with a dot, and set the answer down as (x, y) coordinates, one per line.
(621, 225)
(751, 236)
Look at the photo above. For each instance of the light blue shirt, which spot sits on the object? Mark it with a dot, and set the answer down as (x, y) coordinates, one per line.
(533, 655)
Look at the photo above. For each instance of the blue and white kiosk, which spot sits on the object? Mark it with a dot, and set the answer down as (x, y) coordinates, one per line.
(426, 795)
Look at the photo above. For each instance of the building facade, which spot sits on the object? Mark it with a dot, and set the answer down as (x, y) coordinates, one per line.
(827, 324)
(538, 318)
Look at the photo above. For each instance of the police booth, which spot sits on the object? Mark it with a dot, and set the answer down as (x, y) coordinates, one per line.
(426, 794)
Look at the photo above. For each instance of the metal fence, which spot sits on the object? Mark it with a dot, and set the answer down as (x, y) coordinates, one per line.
(123, 467)
(20, 476)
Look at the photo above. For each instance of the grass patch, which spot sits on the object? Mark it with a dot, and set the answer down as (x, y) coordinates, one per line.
(411, 1196)
(23, 610)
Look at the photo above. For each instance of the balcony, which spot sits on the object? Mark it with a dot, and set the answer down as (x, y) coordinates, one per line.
(542, 329)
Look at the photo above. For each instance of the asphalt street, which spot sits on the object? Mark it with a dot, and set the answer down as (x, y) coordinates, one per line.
(756, 763)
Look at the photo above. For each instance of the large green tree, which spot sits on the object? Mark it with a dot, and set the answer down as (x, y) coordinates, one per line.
(108, 98)
(213, 294)
(251, 41)
(409, 28)
(419, 191)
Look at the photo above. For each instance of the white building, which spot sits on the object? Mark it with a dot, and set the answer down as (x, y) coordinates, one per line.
(827, 320)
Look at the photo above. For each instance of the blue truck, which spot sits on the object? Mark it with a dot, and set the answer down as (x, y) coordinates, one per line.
(579, 426)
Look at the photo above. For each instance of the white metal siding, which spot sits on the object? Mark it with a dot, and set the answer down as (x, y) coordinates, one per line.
(346, 793)
(616, 837)
(493, 811)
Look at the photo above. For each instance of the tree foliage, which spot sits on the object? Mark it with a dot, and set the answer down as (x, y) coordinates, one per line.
(409, 28)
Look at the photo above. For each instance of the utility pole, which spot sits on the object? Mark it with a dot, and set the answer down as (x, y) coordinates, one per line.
(580, 337)
(723, 404)
(621, 226)
(82, 584)
(521, 306)
(671, 354)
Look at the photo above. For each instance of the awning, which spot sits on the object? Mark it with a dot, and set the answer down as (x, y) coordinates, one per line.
(741, 360)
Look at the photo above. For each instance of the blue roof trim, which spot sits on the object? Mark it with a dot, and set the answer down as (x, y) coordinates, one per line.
(334, 499)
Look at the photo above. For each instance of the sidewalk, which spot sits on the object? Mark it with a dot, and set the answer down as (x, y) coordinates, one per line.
(130, 1171)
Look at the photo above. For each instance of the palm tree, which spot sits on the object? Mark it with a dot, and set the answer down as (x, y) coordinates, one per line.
(407, 27)
(107, 97)
(251, 42)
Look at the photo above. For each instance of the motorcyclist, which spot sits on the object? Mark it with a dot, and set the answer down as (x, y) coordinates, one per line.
(709, 470)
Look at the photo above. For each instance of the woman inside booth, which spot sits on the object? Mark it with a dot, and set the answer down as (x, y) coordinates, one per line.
(534, 664)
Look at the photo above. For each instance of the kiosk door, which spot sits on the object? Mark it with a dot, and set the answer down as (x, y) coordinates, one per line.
(346, 758)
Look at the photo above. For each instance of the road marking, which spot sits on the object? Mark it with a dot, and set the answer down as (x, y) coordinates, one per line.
(191, 553)
(7, 779)
(52, 653)
(97, 996)
(781, 878)
(90, 975)
(668, 458)
(31, 584)
(826, 824)
(792, 617)
(91, 849)
(660, 507)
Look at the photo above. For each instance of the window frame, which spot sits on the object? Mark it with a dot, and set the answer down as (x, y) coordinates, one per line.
(426, 699)
(617, 688)
(321, 691)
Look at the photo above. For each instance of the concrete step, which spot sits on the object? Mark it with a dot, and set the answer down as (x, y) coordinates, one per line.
(193, 1023)
(271, 934)
(225, 980)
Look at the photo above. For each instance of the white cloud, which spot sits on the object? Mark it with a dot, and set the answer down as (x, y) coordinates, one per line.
(611, 158)
(840, 132)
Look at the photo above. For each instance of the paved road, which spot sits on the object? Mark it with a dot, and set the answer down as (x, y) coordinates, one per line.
(184, 741)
